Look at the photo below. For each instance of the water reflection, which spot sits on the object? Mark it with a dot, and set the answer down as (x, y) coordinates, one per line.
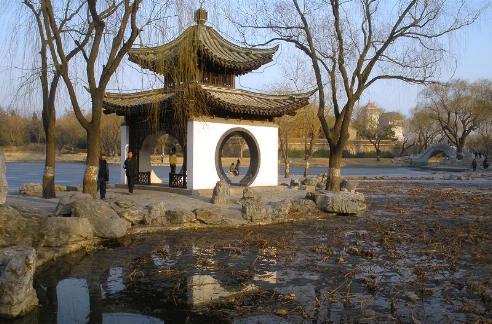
(73, 301)
(127, 318)
(270, 274)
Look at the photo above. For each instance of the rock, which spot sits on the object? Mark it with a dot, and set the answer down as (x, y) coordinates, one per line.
(4, 187)
(233, 218)
(16, 229)
(61, 231)
(304, 207)
(412, 296)
(105, 221)
(127, 209)
(221, 193)
(179, 217)
(348, 186)
(65, 204)
(209, 216)
(156, 214)
(310, 181)
(17, 295)
(37, 188)
(341, 202)
(253, 209)
(294, 183)
(74, 188)
(280, 210)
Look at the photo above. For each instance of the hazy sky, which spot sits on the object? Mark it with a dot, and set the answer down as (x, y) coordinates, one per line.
(470, 50)
(471, 58)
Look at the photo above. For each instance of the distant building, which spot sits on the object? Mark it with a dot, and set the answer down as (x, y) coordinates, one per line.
(377, 115)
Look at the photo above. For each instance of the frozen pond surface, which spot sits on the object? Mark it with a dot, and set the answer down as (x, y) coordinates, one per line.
(421, 253)
(72, 173)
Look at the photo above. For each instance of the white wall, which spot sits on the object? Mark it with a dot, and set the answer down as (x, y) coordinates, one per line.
(144, 158)
(203, 138)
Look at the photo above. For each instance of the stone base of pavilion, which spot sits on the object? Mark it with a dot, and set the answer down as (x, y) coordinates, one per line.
(163, 187)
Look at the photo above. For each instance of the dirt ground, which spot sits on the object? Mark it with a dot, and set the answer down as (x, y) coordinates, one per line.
(421, 253)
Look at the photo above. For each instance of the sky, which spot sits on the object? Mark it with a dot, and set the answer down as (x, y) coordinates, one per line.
(470, 58)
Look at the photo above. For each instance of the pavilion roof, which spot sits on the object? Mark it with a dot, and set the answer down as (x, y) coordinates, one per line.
(226, 102)
(211, 46)
(125, 103)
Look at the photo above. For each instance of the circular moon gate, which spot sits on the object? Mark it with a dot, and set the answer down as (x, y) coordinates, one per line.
(254, 156)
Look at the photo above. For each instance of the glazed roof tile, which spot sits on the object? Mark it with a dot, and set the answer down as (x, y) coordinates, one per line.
(220, 101)
(211, 45)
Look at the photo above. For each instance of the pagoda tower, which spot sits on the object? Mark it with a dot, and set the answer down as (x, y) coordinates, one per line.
(201, 107)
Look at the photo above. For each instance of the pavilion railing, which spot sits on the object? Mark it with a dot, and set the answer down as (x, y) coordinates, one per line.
(177, 180)
(143, 178)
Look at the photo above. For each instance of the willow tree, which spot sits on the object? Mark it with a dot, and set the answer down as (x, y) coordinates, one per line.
(49, 83)
(118, 20)
(353, 44)
(459, 108)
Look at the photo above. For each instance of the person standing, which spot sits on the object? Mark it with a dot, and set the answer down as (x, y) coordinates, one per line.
(102, 176)
(173, 160)
(238, 163)
(131, 168)
(485, 163)
(474, 164)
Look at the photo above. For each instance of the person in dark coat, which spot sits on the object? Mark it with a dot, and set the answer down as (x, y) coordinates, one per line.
(238, 163)
(474, 164)
(131, 168)
(102, 176)
(173, 160)
(485, 163)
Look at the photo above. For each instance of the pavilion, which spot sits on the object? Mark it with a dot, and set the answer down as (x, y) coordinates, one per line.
(201, 107)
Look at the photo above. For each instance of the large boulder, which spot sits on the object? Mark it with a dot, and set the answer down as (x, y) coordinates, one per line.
(343, 203)
(209, 216)
(221, 193)
(61, 231)
(30, 189)
(303, 207)
(65, 204)
(105, 221)
(253, 209)
(127, 209)
(177, 217)
(4, 188)
(17, 295)
(348, 186)
(16, 229)
(155, 214)
(280, 210)
(310, 181)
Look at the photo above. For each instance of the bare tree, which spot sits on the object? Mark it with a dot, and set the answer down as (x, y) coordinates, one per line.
(98, 29)
(458, 107)
(423, 128)
(49, 83)
(374, 130)
(286, 126)
(309, 130)
(353, 44)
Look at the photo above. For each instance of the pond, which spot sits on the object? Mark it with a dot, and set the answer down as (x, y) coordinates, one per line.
(410, 258)
(72, 173)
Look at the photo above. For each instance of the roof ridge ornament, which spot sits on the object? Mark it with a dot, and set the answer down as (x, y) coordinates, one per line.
(201, 16)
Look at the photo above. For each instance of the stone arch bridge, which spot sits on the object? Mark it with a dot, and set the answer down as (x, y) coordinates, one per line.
(433, 150)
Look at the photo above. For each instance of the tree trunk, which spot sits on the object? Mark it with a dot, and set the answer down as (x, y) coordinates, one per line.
(90, 175)
(306, 168)
(335, 163)
(287, 169)
(49, 166)
(459, 151)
